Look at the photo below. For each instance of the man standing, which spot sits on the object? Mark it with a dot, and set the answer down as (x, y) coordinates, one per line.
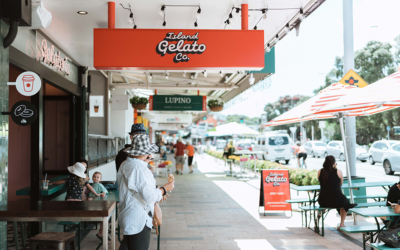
(179, 156)
(190, 153)
(135, 130)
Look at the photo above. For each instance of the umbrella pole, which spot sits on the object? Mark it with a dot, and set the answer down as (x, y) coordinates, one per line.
(347, 164)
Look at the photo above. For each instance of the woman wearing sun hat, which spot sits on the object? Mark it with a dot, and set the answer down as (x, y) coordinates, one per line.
(134, 174)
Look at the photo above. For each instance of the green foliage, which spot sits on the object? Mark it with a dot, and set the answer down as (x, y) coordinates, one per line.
(300, 177)
(214, 102)
(137, 100)
(246, 120)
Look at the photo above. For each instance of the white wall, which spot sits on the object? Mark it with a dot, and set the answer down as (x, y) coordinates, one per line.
(121, 120)
(108, 172)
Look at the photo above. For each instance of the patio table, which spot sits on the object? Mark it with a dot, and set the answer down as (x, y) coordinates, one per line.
(62, 211)
(377, 212)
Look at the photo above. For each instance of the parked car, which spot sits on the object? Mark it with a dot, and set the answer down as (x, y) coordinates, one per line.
(391, 159)
(336, 149)
(315, 148)
(274, 146)
(244, 146)
(220, 144)
(377, 150)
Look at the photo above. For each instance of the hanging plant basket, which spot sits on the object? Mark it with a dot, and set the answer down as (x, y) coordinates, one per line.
(139, 102)
(217, 108)
(139, 105)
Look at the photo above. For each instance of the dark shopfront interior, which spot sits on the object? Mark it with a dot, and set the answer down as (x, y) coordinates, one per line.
(50, 144)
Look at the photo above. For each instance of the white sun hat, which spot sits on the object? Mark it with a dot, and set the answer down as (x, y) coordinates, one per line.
(78, 169)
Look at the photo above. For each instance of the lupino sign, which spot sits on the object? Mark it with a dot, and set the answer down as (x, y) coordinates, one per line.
(138, 49)
(177, 103)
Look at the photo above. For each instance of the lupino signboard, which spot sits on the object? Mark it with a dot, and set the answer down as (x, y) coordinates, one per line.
(138, 49)
(177, 103)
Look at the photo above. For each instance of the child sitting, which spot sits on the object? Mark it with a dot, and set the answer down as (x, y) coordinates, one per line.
(75, 182)
(97, 186)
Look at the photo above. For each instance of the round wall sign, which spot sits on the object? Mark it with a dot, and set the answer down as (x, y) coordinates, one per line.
(23, 113)
(28, 83)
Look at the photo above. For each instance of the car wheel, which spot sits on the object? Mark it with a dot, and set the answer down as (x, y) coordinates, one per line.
(287, 162)
(388, 168)
(341, 157)
(371, 160)
(363, 160)
(313, 155)
(326, 154)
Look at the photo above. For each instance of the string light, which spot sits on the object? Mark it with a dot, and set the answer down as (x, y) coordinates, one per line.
(195, 24)
(221, 73)
(268, 48)
(277, 39)
(198, 14)
(184, 73)
(301, 16)
(164, 24)
(166, 74)
(150, 76)
(205, 73)
(162, 11)
(236, 13)
(287, 29)
(264, 11)
(131, 20)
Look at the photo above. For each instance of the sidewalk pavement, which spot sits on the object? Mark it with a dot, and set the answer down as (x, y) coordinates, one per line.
(207, 210)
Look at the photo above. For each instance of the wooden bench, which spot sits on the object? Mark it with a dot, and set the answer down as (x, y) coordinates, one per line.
(381, 246)
(368, 232)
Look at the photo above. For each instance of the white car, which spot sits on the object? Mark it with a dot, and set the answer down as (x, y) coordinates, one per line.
(378, 149)
(391, 159)
(315, 148)
(273, 146)
(336, 149)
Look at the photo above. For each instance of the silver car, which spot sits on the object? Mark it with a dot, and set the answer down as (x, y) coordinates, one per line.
(315, 148)
(391, 159)
(378, 149)
(336, 149)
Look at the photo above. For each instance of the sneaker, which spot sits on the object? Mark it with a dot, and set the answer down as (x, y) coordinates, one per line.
(176, 172)
(190, 172)
(181, 173)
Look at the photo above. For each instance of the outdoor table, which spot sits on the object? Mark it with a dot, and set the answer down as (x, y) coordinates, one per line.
(248, 152)
(62, 211)
(377, 212)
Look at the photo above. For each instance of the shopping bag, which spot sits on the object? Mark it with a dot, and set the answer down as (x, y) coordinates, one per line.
(390, 237)
(195, 164)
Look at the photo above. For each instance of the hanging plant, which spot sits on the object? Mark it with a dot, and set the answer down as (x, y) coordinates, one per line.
(215, 105)
(139, 102)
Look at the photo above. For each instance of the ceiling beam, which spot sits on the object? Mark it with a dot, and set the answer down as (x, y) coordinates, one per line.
(130, 77)
(171, 86)
(104, 74)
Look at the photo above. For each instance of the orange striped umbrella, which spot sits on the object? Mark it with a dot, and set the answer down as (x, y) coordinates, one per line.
(380, 96)
(306, 110)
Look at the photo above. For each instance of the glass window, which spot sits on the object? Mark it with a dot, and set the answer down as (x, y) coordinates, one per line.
(320, 144)
(263, 141)
(397, 148)
(278, 140)
(333, 144)
(259, 141)
(377, 145)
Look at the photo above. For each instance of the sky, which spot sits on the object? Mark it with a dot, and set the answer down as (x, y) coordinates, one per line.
(301, 63)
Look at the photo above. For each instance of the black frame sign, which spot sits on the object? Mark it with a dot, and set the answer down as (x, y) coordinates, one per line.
(178, 103)
(23, 113)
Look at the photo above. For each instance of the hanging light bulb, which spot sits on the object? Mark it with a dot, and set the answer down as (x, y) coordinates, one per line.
(198, 13)
(150, 76)
(236, 13)
(264, 11)
(192, 76)
(164, 24)
(276, 39)
(230, 16)
(287, 29)
(130, 19)
(221, 73)
(134, 26)
(255, 27)
(228, 23)
(162, 11)
(267, 49)
(195, 24)
(205, 73)
(301, 16)
(166, 74)
(184, 73)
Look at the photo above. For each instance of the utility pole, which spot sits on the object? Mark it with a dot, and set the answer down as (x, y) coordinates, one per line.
(348, 64)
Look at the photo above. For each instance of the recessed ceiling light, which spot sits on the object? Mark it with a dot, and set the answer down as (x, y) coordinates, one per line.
(82, 12)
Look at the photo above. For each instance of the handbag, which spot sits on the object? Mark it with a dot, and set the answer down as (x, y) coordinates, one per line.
(390, 237)
(157, 217)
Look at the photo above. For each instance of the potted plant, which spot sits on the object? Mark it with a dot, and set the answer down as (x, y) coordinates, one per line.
(215, 105)
(139, 102)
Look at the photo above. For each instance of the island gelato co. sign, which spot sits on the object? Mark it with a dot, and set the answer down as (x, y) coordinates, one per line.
(180, 49)
(177, 103)
(153, 49)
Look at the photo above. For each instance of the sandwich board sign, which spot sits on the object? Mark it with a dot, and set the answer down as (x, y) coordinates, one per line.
(275, 190)
(28, 83)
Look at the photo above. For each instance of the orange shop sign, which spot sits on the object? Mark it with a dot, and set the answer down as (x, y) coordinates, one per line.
(275, 190)
(148, 49)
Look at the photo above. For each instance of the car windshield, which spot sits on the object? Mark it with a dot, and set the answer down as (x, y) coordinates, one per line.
(319, 144)
(242, 145)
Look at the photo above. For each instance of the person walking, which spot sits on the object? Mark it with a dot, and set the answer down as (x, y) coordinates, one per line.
(331, 181)
(179, 156)
(190, 153)
(135, 222)
(163, 151)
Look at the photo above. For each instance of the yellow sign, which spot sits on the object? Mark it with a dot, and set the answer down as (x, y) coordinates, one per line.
(353, 79)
